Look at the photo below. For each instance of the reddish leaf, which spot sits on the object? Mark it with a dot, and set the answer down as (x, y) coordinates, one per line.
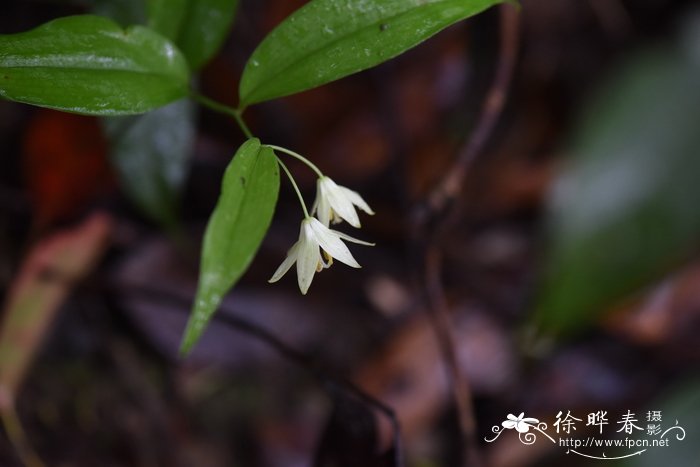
(51, 270)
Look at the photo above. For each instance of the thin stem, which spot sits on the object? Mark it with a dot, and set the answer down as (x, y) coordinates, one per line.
(297, 156)
(451, 185)
(238, 115)
(433, 220)
(231, 317)
(224, 109)
(296, 188)
(443, 326)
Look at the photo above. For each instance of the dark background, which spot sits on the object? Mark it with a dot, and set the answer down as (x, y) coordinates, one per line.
(107, 387)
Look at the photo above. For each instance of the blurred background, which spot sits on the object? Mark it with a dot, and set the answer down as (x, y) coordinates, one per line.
(566, 269)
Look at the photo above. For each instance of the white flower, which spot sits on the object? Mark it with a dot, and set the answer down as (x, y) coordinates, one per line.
(306, 252)
(335, 203)
(522, 425)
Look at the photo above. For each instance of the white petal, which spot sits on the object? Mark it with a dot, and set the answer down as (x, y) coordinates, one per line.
(324, 211)
(508, 424)
(330, 241)
(339, 202)
(286, 264)
(352, 239)
(357, 200)
(307, 258)
(317, 200)
(321, 206)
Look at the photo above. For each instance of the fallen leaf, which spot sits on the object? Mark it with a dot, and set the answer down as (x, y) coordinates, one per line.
(51, 270)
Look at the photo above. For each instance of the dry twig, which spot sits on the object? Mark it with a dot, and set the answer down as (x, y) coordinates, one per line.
(441, 209)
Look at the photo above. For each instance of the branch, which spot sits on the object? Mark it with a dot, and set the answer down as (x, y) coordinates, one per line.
(435, 217)
(232, 320)
(450, 186)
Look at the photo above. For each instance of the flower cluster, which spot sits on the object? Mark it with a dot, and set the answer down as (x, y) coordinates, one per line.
(318, 244)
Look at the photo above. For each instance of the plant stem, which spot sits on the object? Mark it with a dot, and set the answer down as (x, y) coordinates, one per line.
(224, 109)
(297, 156)
(296, 188)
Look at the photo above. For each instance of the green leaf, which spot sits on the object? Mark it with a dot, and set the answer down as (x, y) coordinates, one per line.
(90, 65)
(625, 211)
(207, 22)
(151, 154)
(198, 27)
(166, 16)
(235, 230)
(328, 39)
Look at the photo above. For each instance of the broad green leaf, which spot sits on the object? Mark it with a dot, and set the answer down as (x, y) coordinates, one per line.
(328, 39)
(166, 16)
(206, 24)
(90, 65)
(151, 153)
(626, 209)
(235, 230)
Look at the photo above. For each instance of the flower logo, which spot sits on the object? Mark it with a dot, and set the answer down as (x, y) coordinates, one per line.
(521, 424)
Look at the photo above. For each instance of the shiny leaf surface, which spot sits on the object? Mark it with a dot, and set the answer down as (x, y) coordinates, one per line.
(328, 39)
(90, 65)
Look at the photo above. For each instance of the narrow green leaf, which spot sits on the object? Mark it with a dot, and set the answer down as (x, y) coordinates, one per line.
(328, 39)
(626, 210)
(151, 153)
(206, 24)
(236, 229)
(90, 65)
(167, 16)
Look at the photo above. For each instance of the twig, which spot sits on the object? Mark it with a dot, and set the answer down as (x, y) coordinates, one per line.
(228, 317)
(451, 184)
(440, 209)
(307, 363)
(442, 326)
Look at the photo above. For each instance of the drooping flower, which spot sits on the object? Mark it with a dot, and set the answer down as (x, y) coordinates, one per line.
(522, 425)
(315, 238)
(335, 203)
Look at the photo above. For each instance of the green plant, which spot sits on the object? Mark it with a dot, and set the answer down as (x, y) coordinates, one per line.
(91, 65)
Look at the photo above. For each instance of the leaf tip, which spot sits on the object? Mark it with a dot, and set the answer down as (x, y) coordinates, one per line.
(184, 350)
(195, 327)
(189, 338)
